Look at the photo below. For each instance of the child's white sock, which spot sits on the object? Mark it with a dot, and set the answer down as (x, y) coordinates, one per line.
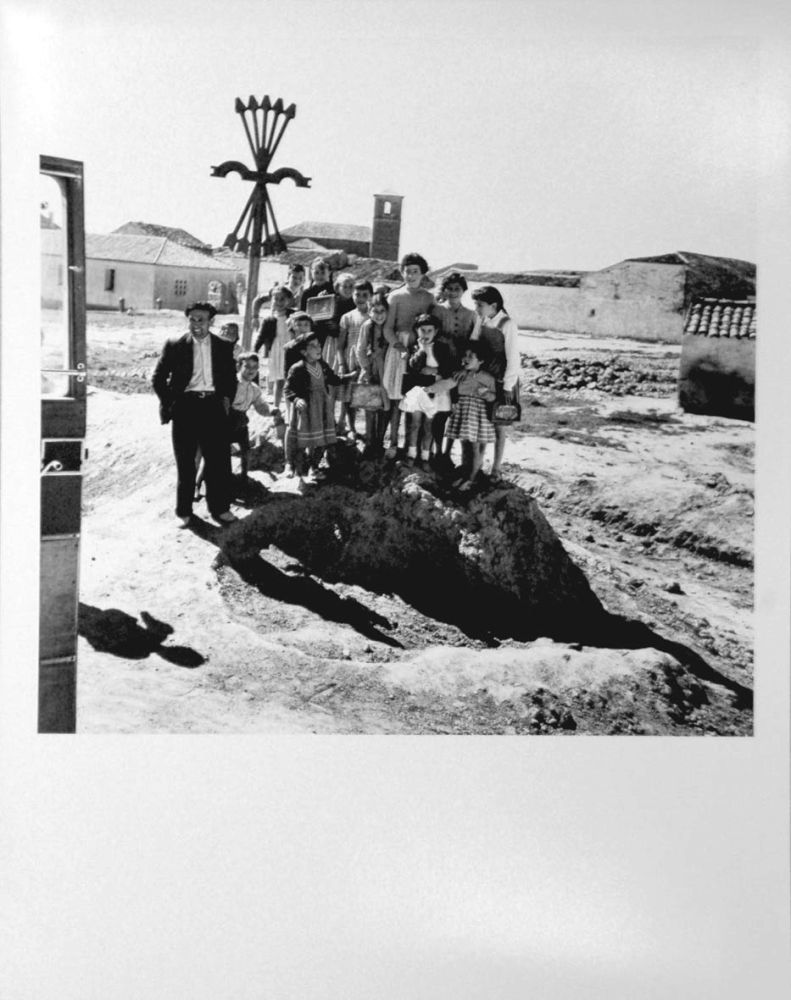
(412, 452)
(424, 454)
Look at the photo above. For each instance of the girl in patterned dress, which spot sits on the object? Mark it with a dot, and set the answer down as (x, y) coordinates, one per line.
(399, 347)
(428, 385)
(469, 421)
(371, 353)
(313, 417)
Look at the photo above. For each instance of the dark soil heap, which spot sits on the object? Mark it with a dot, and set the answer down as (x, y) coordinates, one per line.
(491, 564)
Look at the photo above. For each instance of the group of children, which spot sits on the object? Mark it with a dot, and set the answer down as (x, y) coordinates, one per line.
(442, 365)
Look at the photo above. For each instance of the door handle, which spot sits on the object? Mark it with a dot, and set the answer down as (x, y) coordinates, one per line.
(79, 372)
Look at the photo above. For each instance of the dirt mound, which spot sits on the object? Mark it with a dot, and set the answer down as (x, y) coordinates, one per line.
(493, 564)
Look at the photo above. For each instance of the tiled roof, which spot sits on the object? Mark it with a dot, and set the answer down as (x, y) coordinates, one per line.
(734, 318)
(371, 268)
(148, 250)
(707, 276)
(306, 244)
(152, 229)
(328, 231)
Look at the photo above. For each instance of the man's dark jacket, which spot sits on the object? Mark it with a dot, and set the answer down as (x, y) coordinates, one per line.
(173, 371)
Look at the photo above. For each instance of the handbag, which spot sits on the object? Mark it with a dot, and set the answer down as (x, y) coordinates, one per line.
(367, 397)
(320, 307)
(507, 413)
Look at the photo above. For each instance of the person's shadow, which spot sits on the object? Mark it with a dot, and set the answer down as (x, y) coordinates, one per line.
(298, 589)
(114, 631)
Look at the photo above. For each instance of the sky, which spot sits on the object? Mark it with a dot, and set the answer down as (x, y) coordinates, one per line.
(522, 135)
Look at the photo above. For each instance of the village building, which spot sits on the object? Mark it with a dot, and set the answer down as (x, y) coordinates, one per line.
(330, 236)
(172, 233)
(368, 252)
(717, 368)
(133, 271)
(381, 240)
(646, 298)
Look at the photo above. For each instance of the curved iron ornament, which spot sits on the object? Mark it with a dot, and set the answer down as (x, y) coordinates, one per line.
(264, 122)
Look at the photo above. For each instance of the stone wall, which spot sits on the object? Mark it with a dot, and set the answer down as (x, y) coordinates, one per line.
(639, 300)
(540, 307)
(133, 282)
(717, 376)
(643, 301)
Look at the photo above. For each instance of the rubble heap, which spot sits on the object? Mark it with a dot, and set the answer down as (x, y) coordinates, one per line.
(491, 564)
(616, 376)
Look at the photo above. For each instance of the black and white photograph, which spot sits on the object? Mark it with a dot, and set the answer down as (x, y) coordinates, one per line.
(394, 370)
(505, 487)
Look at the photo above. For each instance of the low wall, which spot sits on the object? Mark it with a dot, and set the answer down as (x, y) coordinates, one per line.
(539, 307)
(717, 376)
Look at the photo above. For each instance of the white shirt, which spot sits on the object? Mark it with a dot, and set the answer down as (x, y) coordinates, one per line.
(510, 332)
(248, 394)
(201, 380)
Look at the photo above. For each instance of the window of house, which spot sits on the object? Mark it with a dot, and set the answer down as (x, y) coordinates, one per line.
(109, 279)
(388, 208)
(180, 286)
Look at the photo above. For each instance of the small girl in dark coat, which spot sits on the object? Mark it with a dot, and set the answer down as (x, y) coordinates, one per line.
(313, 418)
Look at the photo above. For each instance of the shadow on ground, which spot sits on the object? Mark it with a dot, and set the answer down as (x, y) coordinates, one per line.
(321, 532)
(114, 631)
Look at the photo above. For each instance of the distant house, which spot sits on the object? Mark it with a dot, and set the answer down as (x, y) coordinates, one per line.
(379, 241)
(175, 235)
(331, 236)
(717, 369)
(274, 269)
(150, 272)
(642, 297)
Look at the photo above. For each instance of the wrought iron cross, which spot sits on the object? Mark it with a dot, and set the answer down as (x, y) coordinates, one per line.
(264, 134)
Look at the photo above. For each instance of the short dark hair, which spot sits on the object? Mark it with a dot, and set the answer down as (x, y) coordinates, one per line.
(414, 258)
(296, 268)
(247, 356)
(363, 286)
(454, 278)
(426, 319)
(477, 347)
(283, 290)
(488, 294)
(205, 306)
(381, 301)
(306, 339)
(383, 290)
(298, 315)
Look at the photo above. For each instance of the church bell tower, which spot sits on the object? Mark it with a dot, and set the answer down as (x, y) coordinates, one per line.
(386, 232)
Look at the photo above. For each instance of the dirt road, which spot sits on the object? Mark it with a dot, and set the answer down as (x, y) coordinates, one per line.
(654, 505)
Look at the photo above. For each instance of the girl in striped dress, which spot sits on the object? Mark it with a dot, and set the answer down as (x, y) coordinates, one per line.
(469, 421)
(308, 386)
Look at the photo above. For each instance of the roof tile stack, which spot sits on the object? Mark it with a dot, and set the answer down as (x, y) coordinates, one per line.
(733, 318)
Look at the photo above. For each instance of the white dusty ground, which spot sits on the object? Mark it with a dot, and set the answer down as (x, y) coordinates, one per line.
(171, 642)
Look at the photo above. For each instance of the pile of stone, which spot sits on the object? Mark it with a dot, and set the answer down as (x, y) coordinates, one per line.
(615, 376)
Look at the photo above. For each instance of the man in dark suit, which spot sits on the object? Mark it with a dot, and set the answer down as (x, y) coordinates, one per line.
(195, 380)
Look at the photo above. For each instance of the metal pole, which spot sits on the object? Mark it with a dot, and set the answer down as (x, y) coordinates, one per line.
(252, 271)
